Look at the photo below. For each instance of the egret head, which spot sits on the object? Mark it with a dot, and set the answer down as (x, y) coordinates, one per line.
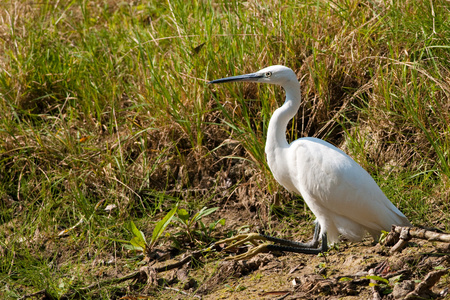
(280, 75)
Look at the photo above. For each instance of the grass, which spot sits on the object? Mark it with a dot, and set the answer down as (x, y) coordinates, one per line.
(107, 103)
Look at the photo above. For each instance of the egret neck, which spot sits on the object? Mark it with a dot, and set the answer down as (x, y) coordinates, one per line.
(276, 133)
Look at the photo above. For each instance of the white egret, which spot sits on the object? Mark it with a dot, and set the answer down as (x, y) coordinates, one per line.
(342, 195)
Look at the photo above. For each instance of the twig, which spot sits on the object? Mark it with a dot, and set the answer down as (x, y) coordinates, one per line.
(428, 282)
(35, 294)
(284, 296)
(407, 233)
(375, 293)
(135, 275)
(403, 240)
(181, 292)
(397, 273)
(193, 255)
(101, 284)
(420, 233)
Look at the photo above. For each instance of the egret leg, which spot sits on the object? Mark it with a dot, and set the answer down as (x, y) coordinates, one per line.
(314, 243)
(281, 244)
(306, 250)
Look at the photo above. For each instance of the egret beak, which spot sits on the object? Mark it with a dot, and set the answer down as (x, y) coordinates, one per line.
(247, 77)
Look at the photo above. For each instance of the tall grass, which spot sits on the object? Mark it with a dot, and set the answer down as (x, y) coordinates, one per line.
(107, 103)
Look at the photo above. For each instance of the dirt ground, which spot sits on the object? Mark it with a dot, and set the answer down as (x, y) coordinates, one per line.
(364, 270)
(348, 271)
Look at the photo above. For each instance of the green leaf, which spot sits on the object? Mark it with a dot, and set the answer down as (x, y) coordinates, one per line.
(137, 242)
(383, 236)
(395, 279)
(213, 225)
(183, 215)
(203, 212)
(176, 219)
(345, 279)
(137, 233)
(117, 240)
(162, 224)
(131, 247)
(377, 278)
(196, 216)
(202, 225)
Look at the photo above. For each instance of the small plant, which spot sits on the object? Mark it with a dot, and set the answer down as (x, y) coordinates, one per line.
(383, 283)
(138, 241)
(191, 225)
(383, 236)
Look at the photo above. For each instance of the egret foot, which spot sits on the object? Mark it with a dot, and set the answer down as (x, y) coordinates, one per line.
(279, 244)
(261, 248)
(242, 239)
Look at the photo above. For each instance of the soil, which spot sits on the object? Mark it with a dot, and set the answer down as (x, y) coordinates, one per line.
(361, 270)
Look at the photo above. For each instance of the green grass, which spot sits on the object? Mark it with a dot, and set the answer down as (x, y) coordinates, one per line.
(107, 103)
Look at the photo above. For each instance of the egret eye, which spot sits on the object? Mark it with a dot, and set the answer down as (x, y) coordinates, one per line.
(268, 74)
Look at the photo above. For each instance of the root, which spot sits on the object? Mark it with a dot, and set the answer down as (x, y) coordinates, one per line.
(425, 286)
(405, 234)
